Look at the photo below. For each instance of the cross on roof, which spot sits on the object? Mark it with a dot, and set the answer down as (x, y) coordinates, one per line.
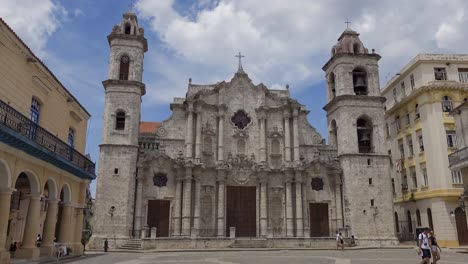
(347, 23)
(240, 56)
(131, 5)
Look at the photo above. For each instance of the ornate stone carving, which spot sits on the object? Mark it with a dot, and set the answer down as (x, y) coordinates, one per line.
(275, 132)
(208, 129)
(161, 132)
(241, 119)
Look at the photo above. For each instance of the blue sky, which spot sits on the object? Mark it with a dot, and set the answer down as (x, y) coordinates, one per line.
(283, 43)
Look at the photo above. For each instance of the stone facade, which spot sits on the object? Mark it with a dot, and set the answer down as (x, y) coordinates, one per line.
(237, 159)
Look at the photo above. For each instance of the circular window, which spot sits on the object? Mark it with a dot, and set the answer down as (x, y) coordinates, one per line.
(317, 184)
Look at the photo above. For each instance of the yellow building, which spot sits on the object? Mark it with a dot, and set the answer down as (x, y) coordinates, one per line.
(459, 165)
(43, 172)
(420, 135)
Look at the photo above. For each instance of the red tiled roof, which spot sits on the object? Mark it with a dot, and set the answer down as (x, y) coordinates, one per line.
(42, 63)
(149, 127)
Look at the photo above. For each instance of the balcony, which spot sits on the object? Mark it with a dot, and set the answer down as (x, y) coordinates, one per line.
(19, 132)
(459, 159)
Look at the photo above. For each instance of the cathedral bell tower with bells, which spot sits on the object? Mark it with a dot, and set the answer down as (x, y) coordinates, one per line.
(119, 149)
(355, 115)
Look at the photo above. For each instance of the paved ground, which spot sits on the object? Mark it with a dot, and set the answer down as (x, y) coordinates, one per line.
(365, 256)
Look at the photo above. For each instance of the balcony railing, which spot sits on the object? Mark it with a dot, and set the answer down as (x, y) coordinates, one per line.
(18, 122)
(458, 156)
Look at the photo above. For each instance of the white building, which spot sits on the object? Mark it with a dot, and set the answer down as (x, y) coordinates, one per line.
(420, 133)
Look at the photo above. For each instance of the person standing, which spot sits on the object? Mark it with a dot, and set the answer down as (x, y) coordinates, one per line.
(13, 249)
(424, 247)
(106, 245)
(434, 247)
(38, 240)
(339, 241)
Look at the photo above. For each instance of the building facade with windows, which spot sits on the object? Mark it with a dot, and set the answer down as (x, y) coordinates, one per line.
(420, 134)
(459, 165)
(237, 159)
(44, 173)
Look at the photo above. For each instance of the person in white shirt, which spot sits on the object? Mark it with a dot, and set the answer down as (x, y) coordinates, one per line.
(424, 245)
(339, 241)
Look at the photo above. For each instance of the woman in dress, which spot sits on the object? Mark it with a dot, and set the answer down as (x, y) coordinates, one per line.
(434, 248)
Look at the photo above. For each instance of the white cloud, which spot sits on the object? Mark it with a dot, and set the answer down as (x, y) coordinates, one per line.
(34, 21)
(289, 43)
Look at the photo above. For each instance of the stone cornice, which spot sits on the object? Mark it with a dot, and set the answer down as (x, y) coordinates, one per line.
(140, 39)
(364, 98)
(125, 83)
(340, 55)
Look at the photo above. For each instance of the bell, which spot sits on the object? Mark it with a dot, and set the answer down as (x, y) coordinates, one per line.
(360, 82)
(365, 137)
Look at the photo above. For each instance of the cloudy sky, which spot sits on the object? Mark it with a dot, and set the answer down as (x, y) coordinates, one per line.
(284, 41)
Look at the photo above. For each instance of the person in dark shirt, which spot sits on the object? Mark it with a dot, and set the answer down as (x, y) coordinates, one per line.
(13, 248)
(434, 248)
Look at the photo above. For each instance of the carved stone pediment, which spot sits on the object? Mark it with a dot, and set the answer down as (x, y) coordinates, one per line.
(241, 134)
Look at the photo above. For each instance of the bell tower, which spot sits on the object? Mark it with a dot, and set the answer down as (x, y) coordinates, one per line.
(119, 148)
(355, 114)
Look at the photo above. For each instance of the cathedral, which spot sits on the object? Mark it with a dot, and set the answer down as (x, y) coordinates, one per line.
(239, 160)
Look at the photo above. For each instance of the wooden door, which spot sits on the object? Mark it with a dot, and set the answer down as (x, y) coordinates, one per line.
(158, 216)
(462, 229)
(241, 211)
(319, 226)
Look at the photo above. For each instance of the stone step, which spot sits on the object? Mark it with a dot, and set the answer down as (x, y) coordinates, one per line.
(250, 243)
(132, 244)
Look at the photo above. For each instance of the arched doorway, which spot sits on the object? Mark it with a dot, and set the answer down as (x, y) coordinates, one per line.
(5, 194)
(462, 228)
(61, 228)
(24, 211)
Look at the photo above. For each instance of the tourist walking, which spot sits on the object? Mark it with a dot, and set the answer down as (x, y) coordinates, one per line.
(424, 247)
(434, 248)
(38, 240)
(339, 241)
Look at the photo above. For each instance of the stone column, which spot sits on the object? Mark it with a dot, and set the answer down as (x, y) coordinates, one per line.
(187, 202)
(287, 136)
(263, 207)
(299, 216)
(5, 198)
(189, 132)
(49, 227)
(139, 202)
(221, 136)
(262, 137)
(289, 209)
(196, 213)
(78, 218)
(339, 215)
(296, 134)
(221, 188)
(198, 137)
(66, 224)
(28, 248)
(177, 207)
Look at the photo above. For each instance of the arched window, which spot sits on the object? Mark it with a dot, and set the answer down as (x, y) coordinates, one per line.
(364, 132)
(360, 82)
(331, 85)
(241, 146)
(128, 29)
(275, 146)
(429, 219)
(124, 67)
(333, 134)
(397, 224)
(410, 224)
(120, 120)
(447, 104)
(356, 48)
(418, 218)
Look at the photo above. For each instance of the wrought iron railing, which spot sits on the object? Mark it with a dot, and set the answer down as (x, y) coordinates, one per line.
(13, 119)
(458, 156)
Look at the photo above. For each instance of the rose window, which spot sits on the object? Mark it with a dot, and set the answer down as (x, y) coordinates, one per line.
(241, 120)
